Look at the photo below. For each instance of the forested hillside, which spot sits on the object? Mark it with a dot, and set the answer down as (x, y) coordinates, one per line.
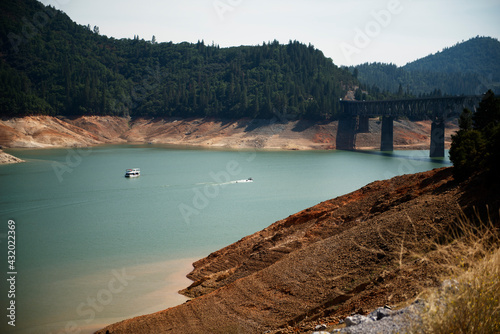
(53, 66)
(470, 67)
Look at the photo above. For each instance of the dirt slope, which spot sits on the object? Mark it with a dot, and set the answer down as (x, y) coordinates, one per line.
(46, 131)
(43, 131)
(349, 254)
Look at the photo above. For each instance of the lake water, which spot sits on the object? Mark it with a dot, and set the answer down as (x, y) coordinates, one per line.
(93, 247)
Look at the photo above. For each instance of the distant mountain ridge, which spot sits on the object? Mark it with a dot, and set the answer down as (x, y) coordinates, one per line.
(479, 55)
(470, 67)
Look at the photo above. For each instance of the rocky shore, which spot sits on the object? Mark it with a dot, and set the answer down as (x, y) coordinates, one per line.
(6, 158)
(383, 320)
(50, 132)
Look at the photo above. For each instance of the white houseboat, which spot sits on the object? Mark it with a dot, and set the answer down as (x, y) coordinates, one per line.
(134, 172)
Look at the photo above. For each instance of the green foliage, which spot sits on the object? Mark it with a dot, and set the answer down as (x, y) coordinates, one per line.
(467, 153)
(487, 117)
(476, 146)
(465, 120)
(470, 67)
(60, 67)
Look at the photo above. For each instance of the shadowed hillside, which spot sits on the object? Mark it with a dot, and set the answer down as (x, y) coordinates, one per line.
(469, 68)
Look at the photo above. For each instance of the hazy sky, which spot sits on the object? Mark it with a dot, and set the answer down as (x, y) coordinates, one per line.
(348, 31)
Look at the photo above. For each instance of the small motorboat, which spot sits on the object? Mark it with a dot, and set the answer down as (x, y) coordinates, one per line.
(134, 172)
(244, 181)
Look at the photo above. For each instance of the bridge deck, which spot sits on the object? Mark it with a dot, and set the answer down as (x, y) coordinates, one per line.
(437, 106)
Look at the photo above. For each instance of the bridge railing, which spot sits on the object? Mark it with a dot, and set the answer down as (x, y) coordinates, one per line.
(437, 106)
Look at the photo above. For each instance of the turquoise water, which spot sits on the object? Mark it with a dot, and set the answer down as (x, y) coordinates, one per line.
(93, 247)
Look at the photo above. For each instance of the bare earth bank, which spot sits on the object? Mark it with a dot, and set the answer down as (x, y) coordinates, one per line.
(50, 132)
(6, 158)
(343, 256)
(347, 255)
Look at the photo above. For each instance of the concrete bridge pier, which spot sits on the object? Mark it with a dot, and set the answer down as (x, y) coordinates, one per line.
(364, 124)
(437, 139)
(387, 140)
(346, 133)
(441, 107)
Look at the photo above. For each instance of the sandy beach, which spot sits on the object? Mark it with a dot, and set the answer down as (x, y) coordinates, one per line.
(123, 292)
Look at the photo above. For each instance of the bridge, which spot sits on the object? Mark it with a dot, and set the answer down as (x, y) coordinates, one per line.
(356, 115)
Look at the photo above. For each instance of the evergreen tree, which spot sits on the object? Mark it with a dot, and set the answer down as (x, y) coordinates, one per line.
(68, 69)
(475, 147)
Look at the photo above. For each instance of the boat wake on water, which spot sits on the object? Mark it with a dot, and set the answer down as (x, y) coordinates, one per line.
(229, 182)
(244, 181)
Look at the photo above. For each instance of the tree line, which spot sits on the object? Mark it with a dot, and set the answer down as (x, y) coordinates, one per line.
(69, 69)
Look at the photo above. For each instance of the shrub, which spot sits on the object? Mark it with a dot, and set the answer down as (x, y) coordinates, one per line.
(471, 302)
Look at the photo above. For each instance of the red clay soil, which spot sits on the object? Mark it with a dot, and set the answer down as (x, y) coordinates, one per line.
(347, 255)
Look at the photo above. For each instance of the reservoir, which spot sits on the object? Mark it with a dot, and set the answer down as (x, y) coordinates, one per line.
(93, 247)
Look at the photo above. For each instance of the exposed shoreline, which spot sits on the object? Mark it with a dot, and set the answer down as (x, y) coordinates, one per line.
(51, 132)
(318, 265)
(6, 158)
(149, 288)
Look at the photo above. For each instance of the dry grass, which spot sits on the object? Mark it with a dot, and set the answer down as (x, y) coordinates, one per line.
(470, 302)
